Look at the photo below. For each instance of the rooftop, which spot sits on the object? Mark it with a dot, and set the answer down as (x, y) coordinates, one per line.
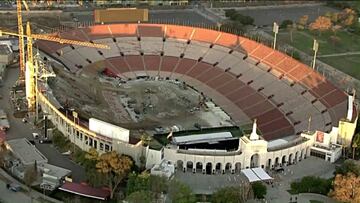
(202, 137)
(25, 151)
(54, 171)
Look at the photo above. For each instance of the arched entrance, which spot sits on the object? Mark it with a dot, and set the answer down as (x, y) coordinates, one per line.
(268, 164)
(254, 161)
(180, 165)
(199, 167)
(218, 167)
(189, 166)
(237, 167)
(208, 168)
(290, 161)
(296, 157)
(301, 155)
(228, 167)
(276, 161)
(283, 160)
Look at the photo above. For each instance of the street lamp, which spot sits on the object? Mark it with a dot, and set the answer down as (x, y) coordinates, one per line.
(275, 30)
(315, 48)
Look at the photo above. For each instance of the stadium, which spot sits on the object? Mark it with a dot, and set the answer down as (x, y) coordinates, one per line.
(247, 105)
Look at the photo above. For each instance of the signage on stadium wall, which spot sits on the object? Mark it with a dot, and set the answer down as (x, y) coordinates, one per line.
(320, 136)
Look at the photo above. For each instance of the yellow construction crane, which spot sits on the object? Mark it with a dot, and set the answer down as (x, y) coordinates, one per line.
(29, 74)
(21, 39)
(27, 71)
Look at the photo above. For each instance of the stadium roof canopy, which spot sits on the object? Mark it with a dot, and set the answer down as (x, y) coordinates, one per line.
(202, 137)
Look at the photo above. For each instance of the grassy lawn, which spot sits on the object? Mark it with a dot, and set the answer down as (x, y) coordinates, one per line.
(346, 64)
(303, 40)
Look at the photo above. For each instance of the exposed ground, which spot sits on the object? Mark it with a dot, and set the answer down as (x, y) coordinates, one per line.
(136, 104)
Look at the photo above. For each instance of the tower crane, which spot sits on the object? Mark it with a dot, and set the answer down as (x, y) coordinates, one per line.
(27, 70)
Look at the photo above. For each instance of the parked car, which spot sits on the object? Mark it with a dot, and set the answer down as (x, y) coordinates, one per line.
(13, 187)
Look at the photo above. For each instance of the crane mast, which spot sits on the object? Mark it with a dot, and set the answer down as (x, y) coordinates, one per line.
(28, 70)
(21, 40)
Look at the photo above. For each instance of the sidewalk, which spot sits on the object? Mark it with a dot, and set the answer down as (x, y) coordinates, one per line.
(23, 197)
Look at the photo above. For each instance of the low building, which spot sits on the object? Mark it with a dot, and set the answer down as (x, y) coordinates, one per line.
(25, 155)
(52, 176)
(165, 168)
(25, 152)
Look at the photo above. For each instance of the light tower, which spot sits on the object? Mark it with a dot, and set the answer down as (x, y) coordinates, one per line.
(275, 30)
(315, 48)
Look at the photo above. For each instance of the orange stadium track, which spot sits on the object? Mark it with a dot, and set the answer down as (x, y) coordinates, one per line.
(247, 79)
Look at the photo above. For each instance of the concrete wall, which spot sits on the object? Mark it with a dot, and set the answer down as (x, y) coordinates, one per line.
(84, 138)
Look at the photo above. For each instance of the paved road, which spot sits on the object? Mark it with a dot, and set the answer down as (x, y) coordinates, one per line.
(19, 130)
(311, 166)
(340, 54)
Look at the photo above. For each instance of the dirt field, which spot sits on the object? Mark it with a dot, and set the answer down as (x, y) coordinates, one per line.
(137, 104)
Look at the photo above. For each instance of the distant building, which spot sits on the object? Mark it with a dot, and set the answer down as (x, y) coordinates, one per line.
(165, 168)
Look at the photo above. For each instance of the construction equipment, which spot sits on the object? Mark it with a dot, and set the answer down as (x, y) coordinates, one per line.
(28, 67)
(21, 39)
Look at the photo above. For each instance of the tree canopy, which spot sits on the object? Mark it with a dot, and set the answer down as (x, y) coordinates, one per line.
(229, 195)
(259, 190)
(180, 193)
(346, 188)
(234, 15)
(312, 184)
(321, 24)
(113, 166)
(348, 166)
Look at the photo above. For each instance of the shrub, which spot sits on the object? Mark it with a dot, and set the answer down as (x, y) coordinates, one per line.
(259, 190)
(312, 184)
(286, 23)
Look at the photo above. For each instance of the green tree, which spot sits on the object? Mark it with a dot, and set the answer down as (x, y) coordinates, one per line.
(229, 195)
(137, 182)
(230, 13)
(286, 24)
(158, 184)
(113, 166)
(312, 184)
(30, 176)
(348, 166)
(141, 196)
(180, 193)
(259, 190)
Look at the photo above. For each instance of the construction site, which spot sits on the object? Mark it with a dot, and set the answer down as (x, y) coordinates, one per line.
(150, 104)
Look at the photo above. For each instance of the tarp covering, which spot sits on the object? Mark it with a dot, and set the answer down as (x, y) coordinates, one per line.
(250, 175)
(256, 174)
(261, 174)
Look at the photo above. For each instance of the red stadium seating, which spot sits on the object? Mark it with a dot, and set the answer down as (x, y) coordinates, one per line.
(152, 62)
(271, 121)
